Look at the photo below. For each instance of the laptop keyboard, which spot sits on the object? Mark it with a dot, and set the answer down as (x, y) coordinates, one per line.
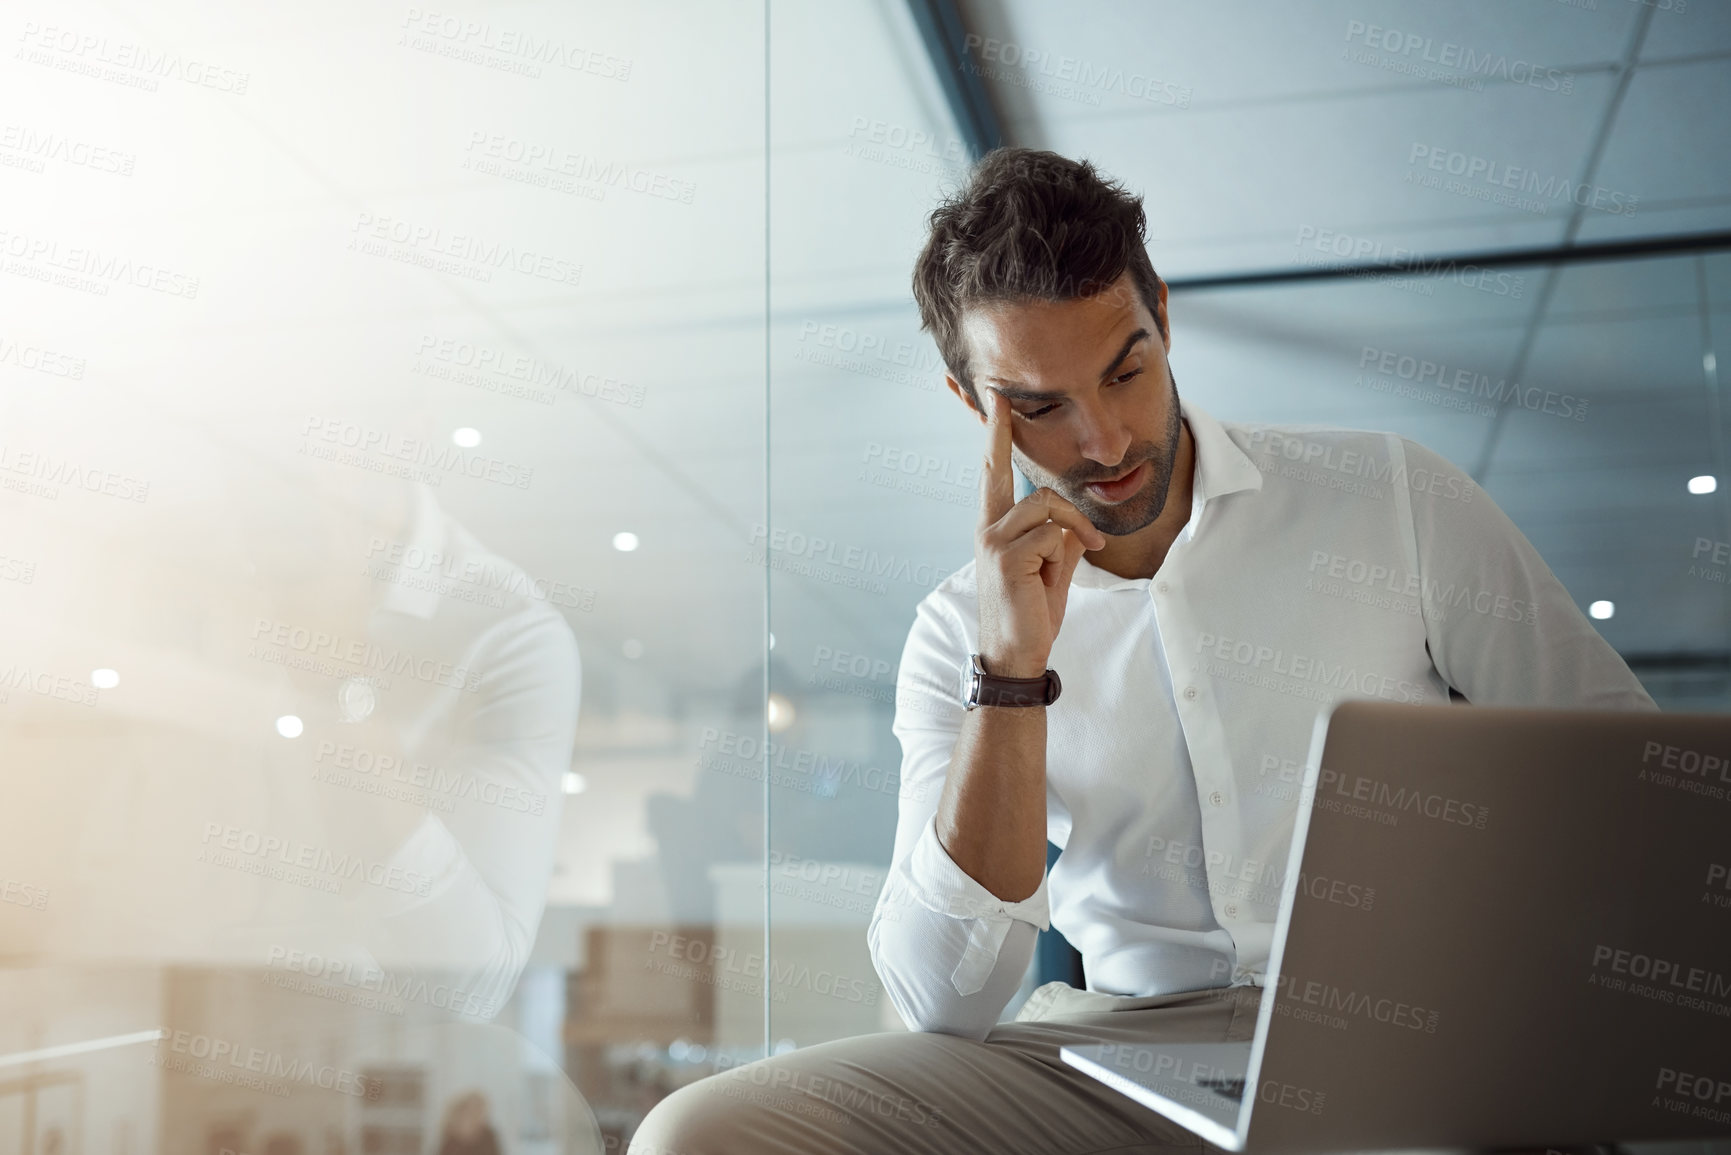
(1228, 1088)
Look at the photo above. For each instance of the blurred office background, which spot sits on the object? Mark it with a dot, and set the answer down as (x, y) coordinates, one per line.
(467, 475)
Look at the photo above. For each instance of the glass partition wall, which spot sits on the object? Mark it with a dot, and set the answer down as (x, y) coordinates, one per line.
(383, 443)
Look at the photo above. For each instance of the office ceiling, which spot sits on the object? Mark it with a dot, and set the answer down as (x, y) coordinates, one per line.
(1260, 132)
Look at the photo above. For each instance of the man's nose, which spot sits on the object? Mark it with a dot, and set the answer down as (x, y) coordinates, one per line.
(1104, 438)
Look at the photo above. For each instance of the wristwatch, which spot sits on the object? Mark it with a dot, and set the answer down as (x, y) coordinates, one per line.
(982, 689)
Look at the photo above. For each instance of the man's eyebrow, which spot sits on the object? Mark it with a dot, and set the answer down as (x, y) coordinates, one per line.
(1018, 393)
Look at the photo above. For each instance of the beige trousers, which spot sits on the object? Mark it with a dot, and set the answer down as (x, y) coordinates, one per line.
(924, 1094)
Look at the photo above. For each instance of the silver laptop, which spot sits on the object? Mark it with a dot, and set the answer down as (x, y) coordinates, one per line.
(1546, 958)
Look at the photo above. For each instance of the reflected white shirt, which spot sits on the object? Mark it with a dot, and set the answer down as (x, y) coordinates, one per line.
(1318, 564)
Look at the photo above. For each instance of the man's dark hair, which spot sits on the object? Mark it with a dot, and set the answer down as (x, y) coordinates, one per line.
(1028, 225)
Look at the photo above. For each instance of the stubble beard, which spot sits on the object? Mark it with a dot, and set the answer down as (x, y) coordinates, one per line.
(1141, 508)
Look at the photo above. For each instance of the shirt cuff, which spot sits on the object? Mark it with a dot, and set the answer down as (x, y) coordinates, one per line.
(939, 885)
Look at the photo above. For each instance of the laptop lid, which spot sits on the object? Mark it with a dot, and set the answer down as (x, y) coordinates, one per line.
(1501, 927)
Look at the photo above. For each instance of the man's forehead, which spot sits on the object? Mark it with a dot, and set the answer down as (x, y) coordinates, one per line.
(1023, 330)
(1067, 348)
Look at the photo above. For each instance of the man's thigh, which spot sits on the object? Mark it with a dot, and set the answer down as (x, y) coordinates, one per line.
(925, 1094)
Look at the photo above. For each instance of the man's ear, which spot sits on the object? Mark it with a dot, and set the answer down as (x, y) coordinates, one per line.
(1163, 318)
(956, 388)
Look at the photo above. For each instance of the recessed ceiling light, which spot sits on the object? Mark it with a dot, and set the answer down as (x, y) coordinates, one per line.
(625, 541)
(105, 679)
(1705, 483)
(781, 713)
(772, 641)
(1708, 361)
(465, 438)
(1602, 609)
(289, 726)
(575, 783)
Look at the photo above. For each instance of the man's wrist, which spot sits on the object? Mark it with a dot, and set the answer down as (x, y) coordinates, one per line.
(1011, 667)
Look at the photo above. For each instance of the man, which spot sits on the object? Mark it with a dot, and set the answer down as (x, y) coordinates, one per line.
(1204, 589)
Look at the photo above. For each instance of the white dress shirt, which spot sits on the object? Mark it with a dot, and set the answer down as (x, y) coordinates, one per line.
(1318, 564)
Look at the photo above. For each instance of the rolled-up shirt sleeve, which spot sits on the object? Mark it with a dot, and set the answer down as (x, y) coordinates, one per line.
(950, 953)
(1500, 628)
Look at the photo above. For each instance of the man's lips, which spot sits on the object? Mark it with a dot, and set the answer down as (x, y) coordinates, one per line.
(1120, 487)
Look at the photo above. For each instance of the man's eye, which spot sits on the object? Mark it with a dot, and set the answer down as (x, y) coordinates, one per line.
(1036, 414)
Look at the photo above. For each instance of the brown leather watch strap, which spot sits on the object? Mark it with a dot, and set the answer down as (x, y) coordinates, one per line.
(996, 690)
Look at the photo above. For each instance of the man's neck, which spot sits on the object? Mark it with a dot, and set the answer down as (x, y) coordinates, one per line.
(1140, 554)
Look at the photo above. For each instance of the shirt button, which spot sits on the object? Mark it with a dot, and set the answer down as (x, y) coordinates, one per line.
(1190, 692)
(1231, 910)
(1164, 588)
(1217, 798)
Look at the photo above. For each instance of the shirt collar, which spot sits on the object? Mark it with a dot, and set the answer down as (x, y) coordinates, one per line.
(426, 538)
(1221, 468)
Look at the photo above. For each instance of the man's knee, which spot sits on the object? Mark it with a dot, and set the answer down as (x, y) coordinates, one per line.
(782, 1103)
(698, 1118)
